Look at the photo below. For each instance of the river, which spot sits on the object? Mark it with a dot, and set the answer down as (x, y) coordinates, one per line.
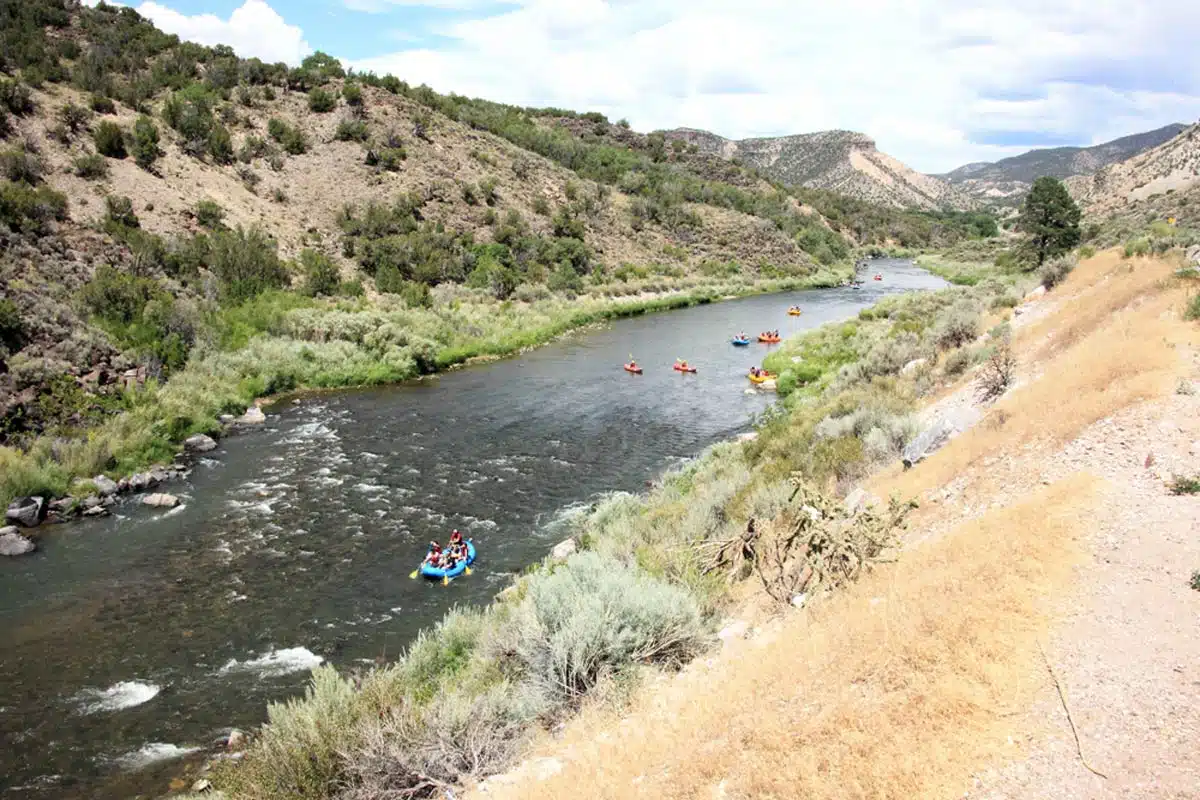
(126, 642)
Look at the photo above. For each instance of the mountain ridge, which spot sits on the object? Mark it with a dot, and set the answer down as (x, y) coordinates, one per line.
(843, 161)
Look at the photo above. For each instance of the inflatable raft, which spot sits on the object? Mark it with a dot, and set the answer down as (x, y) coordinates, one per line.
(681, 368)
(770, 339)
(634, 370)
(437, 573)
(740, 342)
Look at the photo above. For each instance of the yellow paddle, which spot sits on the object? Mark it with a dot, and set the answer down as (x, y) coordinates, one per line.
(414, 573)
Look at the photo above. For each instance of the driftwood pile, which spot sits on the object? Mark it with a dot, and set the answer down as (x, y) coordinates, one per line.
(818, 544)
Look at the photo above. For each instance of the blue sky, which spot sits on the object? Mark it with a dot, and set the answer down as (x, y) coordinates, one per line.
(937, 83)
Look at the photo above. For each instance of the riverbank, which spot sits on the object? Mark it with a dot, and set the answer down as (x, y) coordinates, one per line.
(281, 342)
(467, 695)
(1026, 637)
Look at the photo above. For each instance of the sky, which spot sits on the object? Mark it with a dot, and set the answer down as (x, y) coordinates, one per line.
(936, 83)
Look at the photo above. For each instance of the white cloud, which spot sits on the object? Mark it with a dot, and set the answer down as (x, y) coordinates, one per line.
(930, 80)
(254, 29)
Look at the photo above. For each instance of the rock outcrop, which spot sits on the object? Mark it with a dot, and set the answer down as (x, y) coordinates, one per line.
(12, 543)
(28, 512)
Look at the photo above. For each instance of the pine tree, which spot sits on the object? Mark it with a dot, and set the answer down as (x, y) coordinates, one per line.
(1049, 219)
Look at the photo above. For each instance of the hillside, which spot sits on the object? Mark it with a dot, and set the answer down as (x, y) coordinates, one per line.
(841, 161)
(1170, 168)
(1009, 179)
(184, 230)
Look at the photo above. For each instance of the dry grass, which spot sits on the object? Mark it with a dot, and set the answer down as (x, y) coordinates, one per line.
(898, 688)
(1110, 345)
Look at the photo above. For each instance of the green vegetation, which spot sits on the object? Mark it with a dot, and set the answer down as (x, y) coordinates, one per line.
(1050, 220)
(29, 209)
(92, 166)
(1192, 311)
(321, 276)
(352, 130)
(1182, 484)
(210, 215)
(292, 139)
(145, 142)
(109, 140)
(321, 101)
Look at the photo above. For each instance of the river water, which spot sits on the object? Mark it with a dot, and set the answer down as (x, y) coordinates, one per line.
(126, 642)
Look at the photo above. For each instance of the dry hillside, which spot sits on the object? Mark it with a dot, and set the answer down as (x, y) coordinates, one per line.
(1007, 180)
(1034, 637)
(1172, 167)
(842, 161)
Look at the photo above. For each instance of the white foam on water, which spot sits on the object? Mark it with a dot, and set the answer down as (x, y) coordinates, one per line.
(125, 694)
(276, 662)
(176, 510)
(369, 488)
(152, 753)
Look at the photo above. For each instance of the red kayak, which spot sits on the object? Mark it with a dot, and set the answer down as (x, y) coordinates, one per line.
(679, 368)
(633, 369)
(878, 277)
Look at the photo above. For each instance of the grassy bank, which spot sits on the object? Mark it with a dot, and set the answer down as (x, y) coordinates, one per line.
(647, 588)
(282, 341)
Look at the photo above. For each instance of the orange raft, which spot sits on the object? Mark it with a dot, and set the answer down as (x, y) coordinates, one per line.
(636, 370)
(770, 339)
(681, 368)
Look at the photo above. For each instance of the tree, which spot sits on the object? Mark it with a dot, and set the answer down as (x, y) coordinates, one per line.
(110, 140)
(145, 142)
(321, 275)
(1049, 219)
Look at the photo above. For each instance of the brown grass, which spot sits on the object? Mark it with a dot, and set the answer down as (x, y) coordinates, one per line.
(1111, 344)
(900, 687)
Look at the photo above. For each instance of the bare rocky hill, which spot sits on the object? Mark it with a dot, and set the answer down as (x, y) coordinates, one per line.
(1172, 167)
(842, 161)
(1006, 181)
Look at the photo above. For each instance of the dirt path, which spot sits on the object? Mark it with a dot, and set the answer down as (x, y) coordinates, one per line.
(1127, 649)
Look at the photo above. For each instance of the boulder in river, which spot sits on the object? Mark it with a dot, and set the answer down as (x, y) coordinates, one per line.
(96, 511)
(200, 443)
(105, 485)
(12, 543)
(160, 500)
(26, 511)
(564, 550)
(253, 416)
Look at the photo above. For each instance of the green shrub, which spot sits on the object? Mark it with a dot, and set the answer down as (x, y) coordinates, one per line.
(1195, 582)
(220, 144)
(23, 208)
(102, 105)
(145, 142)
(468, 194)
(956, 326)
(1087, 251)
(21, 166)
(117, 296)
(109, 139)
(74, 118)
(210, 214)
(957, 362)
(1181, 484)
(1137, 248)
(353, 94)
(487, 190)
(92, 166)
(1192, 311)
(16, 97)
(246, 263)
(320, 101)
(119, 212)
(565, 279)
(289, 137)
(352, 288)
(597, 615)
(321, 275)
(352, 130)
(253, 147)
(12, 329)
(541, 206)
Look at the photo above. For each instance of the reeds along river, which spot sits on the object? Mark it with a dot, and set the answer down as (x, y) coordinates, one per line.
(128, 642)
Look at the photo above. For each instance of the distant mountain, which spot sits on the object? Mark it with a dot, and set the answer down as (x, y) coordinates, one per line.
(1009, 179)
(1171, 167)
(842, 161)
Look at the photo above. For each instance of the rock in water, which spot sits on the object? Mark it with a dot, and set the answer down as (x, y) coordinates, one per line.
(96, 511)
(160, 500)
(13, 543)
(200, 443)
(104, 485)
(26, 511)
(253, 416)
(564, 550)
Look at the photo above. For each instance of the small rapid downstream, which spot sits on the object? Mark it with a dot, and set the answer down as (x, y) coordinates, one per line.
(127, 642)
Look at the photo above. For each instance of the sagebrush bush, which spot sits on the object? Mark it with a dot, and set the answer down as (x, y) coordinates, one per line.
(74, 118)
(321, 101)
(19, 165)
(110, 140)
(598, 615)
(119, 212)
(957, 326)
(145, 142)
(92, 166)
(24, 208)
(246, 263)
(1056, 270)
(210, 214)
(956, 362)
(321, 276)
(352, 130)
(102, 105)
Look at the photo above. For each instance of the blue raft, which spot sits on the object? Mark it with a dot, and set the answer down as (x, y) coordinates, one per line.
(740, 342)
(436, 573)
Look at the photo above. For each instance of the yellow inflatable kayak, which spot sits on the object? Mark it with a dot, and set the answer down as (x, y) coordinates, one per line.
(794, 312)
(760, 378)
